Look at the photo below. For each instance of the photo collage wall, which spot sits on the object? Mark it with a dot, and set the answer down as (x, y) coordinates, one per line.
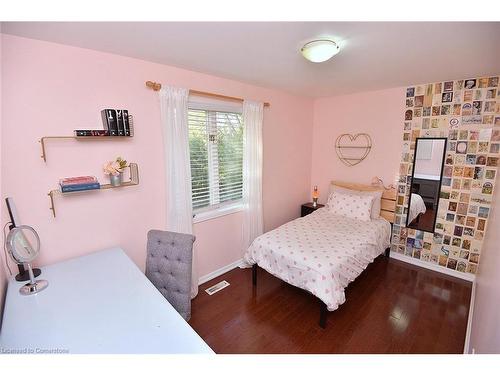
(467, 112)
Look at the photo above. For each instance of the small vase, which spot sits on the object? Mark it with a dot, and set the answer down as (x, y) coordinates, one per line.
(115, 180)
(315, 202)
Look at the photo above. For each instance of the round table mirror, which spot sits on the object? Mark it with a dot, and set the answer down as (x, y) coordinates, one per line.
(23, 245)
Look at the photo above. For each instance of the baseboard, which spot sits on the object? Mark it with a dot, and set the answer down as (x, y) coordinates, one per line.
(220, 271)
(434, 267)
(467, 348)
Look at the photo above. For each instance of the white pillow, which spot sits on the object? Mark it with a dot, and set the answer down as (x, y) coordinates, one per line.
(377, 197)
(351, 205)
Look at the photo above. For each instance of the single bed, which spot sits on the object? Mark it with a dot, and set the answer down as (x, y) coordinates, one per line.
(323, 252)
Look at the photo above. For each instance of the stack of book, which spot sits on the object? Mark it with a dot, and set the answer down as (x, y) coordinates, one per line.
(116, 122)
(79, 183)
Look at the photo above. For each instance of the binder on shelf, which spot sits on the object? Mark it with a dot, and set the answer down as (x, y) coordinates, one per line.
(109, 121)
(126, 123)
(119, 122)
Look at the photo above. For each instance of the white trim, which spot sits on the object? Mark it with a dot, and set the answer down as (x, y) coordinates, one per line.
(218, 212)
(434, 267)
(220, 271)
(467, 349)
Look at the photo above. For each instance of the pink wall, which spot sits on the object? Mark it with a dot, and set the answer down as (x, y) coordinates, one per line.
(378, 113)
(485, 334)
(51, 89)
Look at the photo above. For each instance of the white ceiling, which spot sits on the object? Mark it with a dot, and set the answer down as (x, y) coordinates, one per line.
(373, 55)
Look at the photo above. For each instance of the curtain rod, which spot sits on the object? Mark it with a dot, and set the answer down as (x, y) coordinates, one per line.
(157, 86)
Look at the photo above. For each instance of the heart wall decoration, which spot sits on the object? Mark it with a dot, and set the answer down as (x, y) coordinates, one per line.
(353, 149)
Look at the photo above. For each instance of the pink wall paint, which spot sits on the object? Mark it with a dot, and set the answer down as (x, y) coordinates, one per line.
(377, 113)
(51, 89)
(485, 333)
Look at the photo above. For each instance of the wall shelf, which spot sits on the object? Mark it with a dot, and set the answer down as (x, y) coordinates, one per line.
(134, 180)
(43, 140)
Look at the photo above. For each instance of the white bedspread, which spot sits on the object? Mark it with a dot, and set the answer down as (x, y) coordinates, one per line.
(320, 252)
(417, 206)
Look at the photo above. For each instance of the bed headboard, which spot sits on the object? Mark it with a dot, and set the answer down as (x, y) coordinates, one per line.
(388, 203)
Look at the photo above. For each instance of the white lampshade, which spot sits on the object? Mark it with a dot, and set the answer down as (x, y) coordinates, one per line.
(320, 50)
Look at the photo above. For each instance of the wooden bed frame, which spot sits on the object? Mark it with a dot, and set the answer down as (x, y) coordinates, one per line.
(388, 206)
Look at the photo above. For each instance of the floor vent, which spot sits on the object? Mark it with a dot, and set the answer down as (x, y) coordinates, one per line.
(215, 288)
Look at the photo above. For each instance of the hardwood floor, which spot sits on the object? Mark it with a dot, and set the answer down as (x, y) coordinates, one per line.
(392, 307)
(425, 221)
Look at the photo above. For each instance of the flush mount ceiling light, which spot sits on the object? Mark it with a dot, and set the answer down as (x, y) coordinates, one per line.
(319, 50)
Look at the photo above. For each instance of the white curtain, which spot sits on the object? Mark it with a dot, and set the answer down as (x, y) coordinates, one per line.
(174, 112)
(253, 227)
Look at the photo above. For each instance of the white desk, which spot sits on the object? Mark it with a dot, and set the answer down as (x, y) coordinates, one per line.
(98, 303)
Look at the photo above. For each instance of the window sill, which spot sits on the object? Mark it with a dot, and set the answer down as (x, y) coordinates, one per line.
(218, 212)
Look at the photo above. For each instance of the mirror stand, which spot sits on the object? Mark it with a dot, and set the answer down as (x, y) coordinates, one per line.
(34, 286)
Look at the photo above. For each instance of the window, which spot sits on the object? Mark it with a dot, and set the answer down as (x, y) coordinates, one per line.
(216, 152)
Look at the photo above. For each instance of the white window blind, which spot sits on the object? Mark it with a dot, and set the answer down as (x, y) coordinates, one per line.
(216, 152)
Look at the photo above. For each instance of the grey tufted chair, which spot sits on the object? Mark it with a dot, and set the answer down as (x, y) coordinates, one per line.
(168, 267)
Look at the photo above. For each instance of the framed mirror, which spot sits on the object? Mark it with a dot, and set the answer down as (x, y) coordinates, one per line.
(425, 186)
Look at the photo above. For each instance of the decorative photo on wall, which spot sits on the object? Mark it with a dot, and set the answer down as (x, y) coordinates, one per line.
(487, 188)
(483, 212)
(476, 107)
(461, 147)
(491, 94)
(470, 159)
(490, 174)
(466, 109)
(447, 97)
(445, 110)
(472, 147)
(466, 184)
(470, 84)
(410, 91)
(419, 101)
(482, 83)
(468, 95)
(452, 263)
(493, 82)
(492, 161)
(495, 135)
(448, 86)
(485, 134)
(488, 119)
(482, 147)
(481, 224)
(478, 173)
(481, 159)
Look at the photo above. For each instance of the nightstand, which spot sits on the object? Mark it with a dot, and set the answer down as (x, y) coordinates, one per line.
(307, 208)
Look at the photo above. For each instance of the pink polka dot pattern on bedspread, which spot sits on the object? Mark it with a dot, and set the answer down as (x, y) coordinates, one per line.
(321, 252)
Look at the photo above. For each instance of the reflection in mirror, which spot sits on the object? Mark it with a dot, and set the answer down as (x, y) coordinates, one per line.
(426, 183)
